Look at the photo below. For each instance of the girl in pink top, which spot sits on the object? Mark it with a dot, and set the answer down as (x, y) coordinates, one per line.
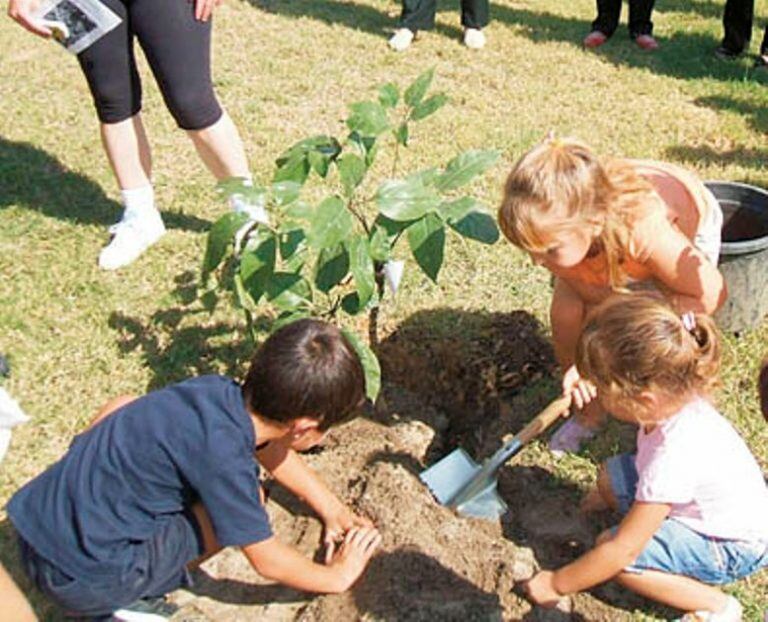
(693, 497)
(602, 225)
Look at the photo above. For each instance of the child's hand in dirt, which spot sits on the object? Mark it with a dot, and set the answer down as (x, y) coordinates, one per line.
(541, 590)
(337, 523)
(354, 553)
(582, 391)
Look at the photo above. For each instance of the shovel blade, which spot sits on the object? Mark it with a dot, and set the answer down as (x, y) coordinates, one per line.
(448, 476)
(488, 504)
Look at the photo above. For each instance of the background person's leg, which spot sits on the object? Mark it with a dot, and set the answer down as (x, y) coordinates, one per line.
(178, 50)
(418, 15)
(737, 26)
(640, 17)
(608, 13)
(474, 13)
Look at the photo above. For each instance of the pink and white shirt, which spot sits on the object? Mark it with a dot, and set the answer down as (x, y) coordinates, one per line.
(696, 462)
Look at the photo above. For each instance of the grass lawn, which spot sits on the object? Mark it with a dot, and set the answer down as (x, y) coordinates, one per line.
(285, 69)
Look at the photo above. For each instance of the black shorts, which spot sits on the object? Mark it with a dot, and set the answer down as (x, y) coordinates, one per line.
(178, 49)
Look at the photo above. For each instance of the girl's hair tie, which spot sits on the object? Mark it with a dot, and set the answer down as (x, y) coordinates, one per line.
(689, 321)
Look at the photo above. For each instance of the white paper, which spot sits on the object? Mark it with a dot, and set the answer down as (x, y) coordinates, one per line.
(11, 415)
(393, 273)
(77, 23)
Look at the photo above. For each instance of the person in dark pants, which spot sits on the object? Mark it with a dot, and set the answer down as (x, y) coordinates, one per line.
(737, 31)
(420, 15)
(175, 36)
(640, 24)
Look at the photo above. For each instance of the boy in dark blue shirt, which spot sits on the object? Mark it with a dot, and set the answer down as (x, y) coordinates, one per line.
(158, 483)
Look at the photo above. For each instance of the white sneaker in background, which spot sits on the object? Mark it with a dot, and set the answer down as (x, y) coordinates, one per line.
(130, 238)
(474, 38)
(401, 40)
(731, 613)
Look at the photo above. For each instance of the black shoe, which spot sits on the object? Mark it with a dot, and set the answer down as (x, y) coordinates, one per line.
(725, 53)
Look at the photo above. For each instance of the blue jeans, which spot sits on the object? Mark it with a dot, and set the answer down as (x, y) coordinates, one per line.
(160, 566)
(676, 548)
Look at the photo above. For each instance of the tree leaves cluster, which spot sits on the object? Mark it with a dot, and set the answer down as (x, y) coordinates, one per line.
(319, 260)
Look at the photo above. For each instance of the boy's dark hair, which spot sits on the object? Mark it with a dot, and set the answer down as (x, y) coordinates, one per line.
(306, 369)
(762, 386)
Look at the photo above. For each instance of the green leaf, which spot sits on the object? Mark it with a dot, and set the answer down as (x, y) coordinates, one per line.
(300, 210)
(426, 237)
(243, 299)
(455, 210)
(429, 106)
(288, 291)
(405, 199)
(389, 95)
(257, 265)
(351, 304)
(478, 226)
(285, 192)
(288, 317)
(209, 300)
(219, 238)
(352, 169)
(379, 243)
(369, 362)
(391, 227)
(401, 134)
(322, 144)
(234, 185)
(361, 266)
(290, 242)
(464, 167)
(425, 177)
(416, 91)
(330, 224)
(319, 163)
(368, 118)
(295, 169)
(332, 267)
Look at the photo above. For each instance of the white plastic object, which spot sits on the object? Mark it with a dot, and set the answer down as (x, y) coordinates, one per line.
(11, 415)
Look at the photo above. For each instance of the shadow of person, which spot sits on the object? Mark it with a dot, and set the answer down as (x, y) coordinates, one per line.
(545, 517)
(242, 593)
(174, 351)
(34, 179)
(407, 585)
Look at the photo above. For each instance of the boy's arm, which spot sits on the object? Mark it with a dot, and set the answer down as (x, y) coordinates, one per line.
(604, 561)
(696, 285)
(282, 563)
(290, 470)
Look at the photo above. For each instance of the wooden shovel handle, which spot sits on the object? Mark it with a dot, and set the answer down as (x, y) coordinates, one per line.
(545, 419)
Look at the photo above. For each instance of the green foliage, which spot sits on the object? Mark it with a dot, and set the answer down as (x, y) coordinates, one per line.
(325, 258)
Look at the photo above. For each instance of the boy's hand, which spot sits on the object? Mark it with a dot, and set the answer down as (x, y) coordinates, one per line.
(354, 553)
(582, 391)
(541, 590)
(338, 521)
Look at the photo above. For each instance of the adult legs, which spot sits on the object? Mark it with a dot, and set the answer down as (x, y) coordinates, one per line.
(474, 14)
(418, 15)
(737, 25)
(640, 17)
(607, 20)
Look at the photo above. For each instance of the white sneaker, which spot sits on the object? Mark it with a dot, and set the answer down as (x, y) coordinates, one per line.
(731, 613)
(474, 38)
(401, 40)
(130, 238)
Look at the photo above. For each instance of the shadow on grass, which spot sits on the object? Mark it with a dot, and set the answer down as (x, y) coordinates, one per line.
(174, 352)
(747, 158)
(34, 179)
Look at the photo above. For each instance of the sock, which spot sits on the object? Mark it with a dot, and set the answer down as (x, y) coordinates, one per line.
(139, 202)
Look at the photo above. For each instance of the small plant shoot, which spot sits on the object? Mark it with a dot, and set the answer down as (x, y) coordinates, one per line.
(337, 255)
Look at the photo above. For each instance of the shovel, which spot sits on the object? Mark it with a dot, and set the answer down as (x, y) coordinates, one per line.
(469, 488)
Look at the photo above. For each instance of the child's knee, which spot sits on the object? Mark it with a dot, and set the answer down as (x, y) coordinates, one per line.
(605, 488)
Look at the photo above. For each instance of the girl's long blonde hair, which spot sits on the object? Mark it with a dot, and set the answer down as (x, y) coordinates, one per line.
(633, 343)
(562, 185)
